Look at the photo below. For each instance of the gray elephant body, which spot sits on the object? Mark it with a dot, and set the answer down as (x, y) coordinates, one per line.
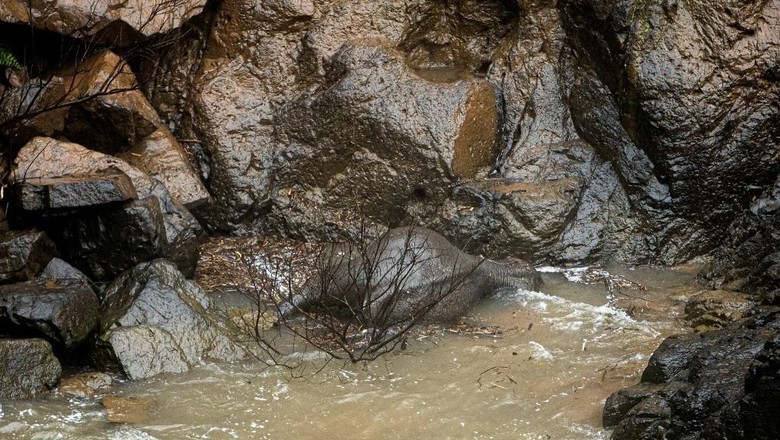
(410, 273)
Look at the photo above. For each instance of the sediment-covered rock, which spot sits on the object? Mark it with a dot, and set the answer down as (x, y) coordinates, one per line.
(378, 132)
(153, 320)
(27, 368)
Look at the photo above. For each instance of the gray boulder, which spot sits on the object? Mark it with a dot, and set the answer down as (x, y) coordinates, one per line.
(73, 191)
(142, 351)
(377, 131)
(23, 254)
(64, 311)
(105, 242)
(152, 313)
(28, 368)
(60, 270)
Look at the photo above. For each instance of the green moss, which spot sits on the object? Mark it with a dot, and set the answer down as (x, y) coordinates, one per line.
(639, 14)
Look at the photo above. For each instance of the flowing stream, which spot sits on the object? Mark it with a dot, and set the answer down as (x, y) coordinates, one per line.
(535, 365)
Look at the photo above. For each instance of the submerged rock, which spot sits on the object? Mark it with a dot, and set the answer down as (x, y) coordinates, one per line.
(27, 368)
(153, 320)
(121, 409)
(84, 385)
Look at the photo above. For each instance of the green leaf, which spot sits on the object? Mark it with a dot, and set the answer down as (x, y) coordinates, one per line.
(7, 58)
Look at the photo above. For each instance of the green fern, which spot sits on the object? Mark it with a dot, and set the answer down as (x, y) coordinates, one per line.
(7, 59)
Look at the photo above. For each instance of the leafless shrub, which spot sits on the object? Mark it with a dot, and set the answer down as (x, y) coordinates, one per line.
(352, 301)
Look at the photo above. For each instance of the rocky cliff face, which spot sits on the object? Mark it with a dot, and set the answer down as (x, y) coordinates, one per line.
(563, 131)
(568, 132)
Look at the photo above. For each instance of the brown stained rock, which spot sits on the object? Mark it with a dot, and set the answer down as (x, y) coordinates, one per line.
(45, 157)
(118, 116)
(28, 368)
(23, 254)
(154, 226)
(378, 132)
(96, 102)
(713, 309)
(161, 156)
(73, 191)
(132, 410)
(476, 141)
(85, 18)
(540, 208)
(343, 21)
(84, 385)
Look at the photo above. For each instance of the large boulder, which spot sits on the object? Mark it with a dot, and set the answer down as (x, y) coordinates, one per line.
(659, 90)
(99, 103)
(107, 240)
(376, 132)
(603, 150)
(73, 191)
(28, 368)
(153, 320)
(23, 254)
(719, 384)
(245, 75)
(550, 197)
(64, 311)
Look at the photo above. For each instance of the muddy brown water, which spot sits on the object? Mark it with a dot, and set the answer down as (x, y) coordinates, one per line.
(557, 356)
